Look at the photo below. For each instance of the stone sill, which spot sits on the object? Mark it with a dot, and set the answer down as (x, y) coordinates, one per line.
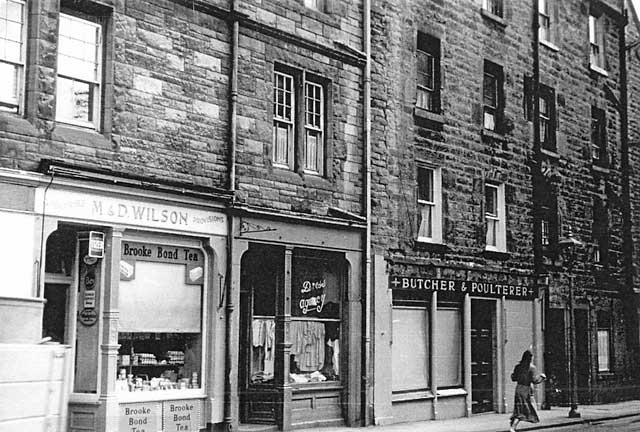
(80, 136)
(550, 153)
(550, 45)
(431, 116)
(598, 70)
(598, 167)
(496, 254)
(412, 396)
(15, 123)
(493, 135)
(431, 246)
(495, 18)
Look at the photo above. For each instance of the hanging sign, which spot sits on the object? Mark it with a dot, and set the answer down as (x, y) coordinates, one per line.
(96, 244)
(458, 288)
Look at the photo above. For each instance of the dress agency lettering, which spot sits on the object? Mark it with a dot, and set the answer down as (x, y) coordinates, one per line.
(316, 300)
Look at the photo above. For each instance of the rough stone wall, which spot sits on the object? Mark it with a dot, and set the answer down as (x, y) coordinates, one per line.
(259, 182)
(467, 159)
(165, 100)
(633, 70)
(167, 95)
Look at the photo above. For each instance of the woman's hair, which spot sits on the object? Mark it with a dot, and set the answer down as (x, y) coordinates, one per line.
(524, 364)
(526, 358)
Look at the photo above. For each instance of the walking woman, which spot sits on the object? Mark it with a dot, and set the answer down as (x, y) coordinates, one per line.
(524, 405)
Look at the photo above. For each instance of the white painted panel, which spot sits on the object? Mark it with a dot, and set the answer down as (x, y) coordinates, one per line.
(29, 399)
(16, 254)
(27, 364)
(519, 337)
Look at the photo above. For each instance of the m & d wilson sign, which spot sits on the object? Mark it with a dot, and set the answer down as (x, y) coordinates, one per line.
(416, 287)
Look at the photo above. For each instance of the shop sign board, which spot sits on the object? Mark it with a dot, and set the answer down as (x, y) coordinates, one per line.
(78, 205)
(141, 417)
(134, 251)
(181, 415)
(417, 287)
(88, 316)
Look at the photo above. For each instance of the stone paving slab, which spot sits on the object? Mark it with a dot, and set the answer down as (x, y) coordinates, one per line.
(492, 422)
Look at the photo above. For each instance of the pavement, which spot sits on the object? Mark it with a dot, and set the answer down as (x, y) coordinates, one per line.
(492, 422)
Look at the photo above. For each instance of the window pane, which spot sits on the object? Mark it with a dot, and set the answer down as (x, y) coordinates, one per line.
(425, 184)
(449, 348)
(74, 100)
(410, 349)
(9, 87)
(592, 29)
(603, 350)
(159, 300)
(78, 49)
(490, 90)
(545, 232)
(426, 221)
(489, 121)
(491, 198)
(492, 228)
(426, 65)
(311, 150)
(281, 133)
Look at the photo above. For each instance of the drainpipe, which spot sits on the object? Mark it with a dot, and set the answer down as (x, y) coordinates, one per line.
(538, 182)
(367, 367)
(229, 421)
(630, 306)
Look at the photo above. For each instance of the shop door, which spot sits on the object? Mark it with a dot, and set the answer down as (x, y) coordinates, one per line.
(482, 356)
(582, 356)
(261, 271)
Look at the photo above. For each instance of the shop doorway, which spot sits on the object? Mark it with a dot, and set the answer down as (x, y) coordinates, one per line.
(482, 343)
(261, 274)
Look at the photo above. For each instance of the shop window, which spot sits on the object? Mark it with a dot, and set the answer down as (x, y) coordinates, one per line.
(495, 217)
(492, 96)
(429, 205)
(287, 148)
(449, 347)
(598, 136)
(596, 41)
(160, 327)
(315, 331)
(604, 341)
(428, 73)
(410, 349)
(79, 71)
(12, 53)
(494, 7)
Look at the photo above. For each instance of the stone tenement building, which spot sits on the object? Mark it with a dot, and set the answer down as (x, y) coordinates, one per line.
(499, 133)
(182, 182)
(219, 214)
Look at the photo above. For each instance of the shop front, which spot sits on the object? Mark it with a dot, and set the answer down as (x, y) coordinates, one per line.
(132, 283)
(299, 337)
(447, 341)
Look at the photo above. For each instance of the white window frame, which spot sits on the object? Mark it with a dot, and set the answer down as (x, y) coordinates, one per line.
(544, 20)
(596, 42)
(496, 218)
(283, 157)
(314, 124)
(435, 204)
(15, 104)
(494, 7)
(95, 84)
